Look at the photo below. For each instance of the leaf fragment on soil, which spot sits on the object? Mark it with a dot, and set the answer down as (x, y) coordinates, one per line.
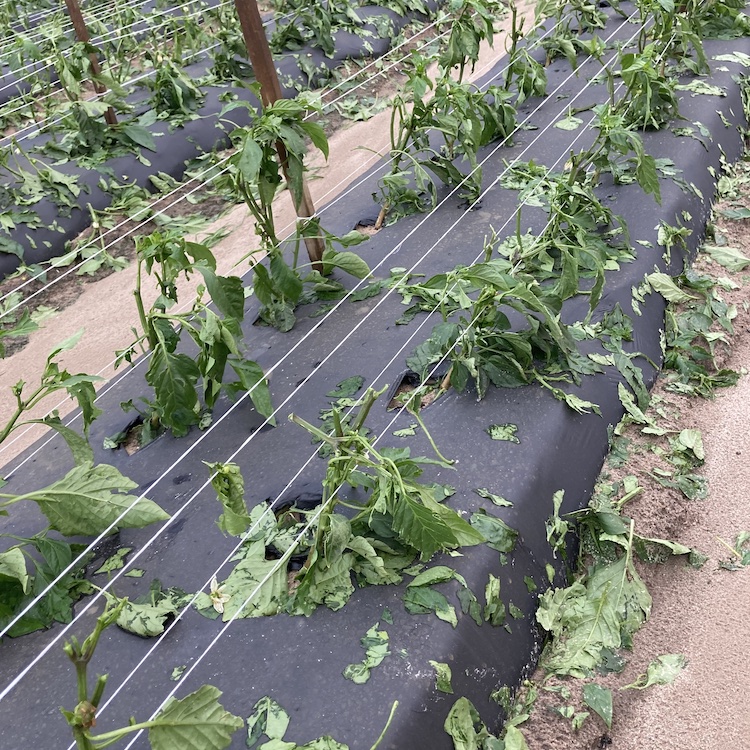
(114, 562)
(662, 671)
(375, 643)
(442, 676)
(599, 699)
(503, 432)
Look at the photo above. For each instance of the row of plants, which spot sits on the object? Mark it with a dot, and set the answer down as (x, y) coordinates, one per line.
(401, 518)
(186, 386)
(590, 623)
(481, 346)
(72, 122)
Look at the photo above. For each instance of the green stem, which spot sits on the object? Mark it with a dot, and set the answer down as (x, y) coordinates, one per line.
(110, 737)
(445, 460)
(370, 397)
(82, 740)
(314, 431)
(387, 724)
(730, 548)
(514, 35)
(147, 329)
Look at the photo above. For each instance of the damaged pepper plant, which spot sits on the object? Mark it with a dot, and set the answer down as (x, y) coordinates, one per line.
(271, 153)
(89, 500)
(187, 386)
(371, 531)
(457, 115)
(195, 722)
(479, 305)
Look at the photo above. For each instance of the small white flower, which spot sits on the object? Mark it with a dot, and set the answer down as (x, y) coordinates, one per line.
(218, 597)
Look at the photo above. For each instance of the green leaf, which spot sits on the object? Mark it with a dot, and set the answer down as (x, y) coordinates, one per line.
(464, 534)
(503, 432)
(442, 677)
(347, 388)
(470, 605)
(81, 388)
(494, 609)
(249, 161)
(140, 135)
(269, 719)
(375, 643)
(421, 528)
(496, 499)
(734, 213)
(661, 671)
(197, 722)
(89, 499)
(317, 135)
(56, 604)
(248, 587)
(227, 481)
(514, 739)
(173, 378)
(147, 616)
(736, 57)
(114, 562)
(13, 568)
(328, 582)
(254, 382)
(588, 619)
(698, 87)
(498, 534)
(347, 261)
(729, 257)
(422, 600)
(599, 699)
(436, 574)
(285, 278)
(227, 292)
(466, 728)
(79, 446)
(664, 284)
(631, 408)
(691, 440)
(569, 123)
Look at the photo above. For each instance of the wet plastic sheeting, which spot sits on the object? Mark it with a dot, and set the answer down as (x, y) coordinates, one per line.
(299, 661)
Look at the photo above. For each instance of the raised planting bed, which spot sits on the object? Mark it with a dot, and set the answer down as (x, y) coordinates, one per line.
(512, 450)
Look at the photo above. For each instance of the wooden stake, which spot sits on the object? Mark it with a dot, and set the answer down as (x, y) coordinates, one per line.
(270, 90)
(83, 36)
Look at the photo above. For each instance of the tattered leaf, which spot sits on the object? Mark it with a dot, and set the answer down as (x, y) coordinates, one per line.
(662, 671)
(227, 481)
(498, 534)
(503, 432)
(90, 499)
(599, 699)
(442, 677)
(197, 722)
